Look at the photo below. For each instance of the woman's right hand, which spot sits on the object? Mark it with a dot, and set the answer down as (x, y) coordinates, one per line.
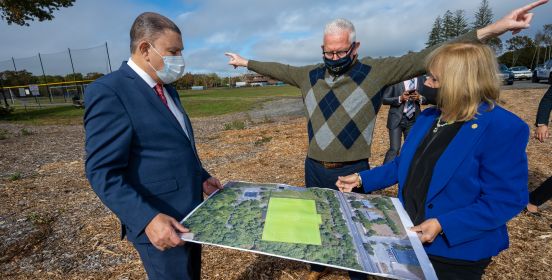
(348, 183)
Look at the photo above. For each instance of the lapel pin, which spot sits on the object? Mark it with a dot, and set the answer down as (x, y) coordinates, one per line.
(474, 126)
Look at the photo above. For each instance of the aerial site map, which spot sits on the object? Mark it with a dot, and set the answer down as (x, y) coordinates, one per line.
(365, 233)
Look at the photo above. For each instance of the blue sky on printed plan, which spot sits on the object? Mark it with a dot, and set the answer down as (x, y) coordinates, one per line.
(288, 31)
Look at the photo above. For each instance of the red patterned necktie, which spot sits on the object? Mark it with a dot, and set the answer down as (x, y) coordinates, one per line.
(159, 91)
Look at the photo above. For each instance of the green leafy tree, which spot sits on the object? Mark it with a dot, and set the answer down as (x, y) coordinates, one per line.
(519, 45)
(21, 12)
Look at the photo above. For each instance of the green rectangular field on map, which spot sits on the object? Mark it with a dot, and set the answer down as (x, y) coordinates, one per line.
(292, 220)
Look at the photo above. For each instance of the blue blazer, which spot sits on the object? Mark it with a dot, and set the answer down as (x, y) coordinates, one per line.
(478, 183)
(139, 160)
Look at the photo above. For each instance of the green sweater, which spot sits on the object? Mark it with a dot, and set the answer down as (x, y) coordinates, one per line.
(341, 111)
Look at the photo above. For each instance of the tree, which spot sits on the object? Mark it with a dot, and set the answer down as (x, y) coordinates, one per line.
(21, 12)
(460, 23)
(435, 35)
(483, 17)
(448, 30)
(520, 51)
(547, 39)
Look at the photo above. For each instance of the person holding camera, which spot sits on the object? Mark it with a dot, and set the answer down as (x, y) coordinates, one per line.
(404, 99)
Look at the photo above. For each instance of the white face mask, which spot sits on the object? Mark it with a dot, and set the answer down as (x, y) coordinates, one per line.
(173, 68)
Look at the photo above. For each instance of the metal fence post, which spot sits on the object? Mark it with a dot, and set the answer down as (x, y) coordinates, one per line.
(44, 76)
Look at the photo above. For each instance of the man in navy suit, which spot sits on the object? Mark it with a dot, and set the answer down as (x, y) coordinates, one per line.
(404, 100)
(141, 156)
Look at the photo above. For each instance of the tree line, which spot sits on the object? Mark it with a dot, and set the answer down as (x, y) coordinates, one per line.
(24, 78)
(518, 50)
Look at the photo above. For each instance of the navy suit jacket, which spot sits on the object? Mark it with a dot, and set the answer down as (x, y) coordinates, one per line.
(139, 160)
(390, 96)
(478, 183)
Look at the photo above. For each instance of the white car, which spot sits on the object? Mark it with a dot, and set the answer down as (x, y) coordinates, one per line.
(521, 72)
(543, 72)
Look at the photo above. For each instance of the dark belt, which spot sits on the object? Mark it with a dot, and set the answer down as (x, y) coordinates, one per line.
(333, 165)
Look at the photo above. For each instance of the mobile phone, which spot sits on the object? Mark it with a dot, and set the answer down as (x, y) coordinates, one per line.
(411, 91)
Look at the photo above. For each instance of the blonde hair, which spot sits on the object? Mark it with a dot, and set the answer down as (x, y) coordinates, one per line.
(467, 75)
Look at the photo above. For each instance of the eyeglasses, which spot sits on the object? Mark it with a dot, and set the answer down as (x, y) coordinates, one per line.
(339, 54)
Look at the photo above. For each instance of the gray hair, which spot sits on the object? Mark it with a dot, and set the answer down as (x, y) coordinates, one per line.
(340, 25)
(149, 26)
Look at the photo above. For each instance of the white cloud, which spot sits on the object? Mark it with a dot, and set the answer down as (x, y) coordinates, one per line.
(289, 31)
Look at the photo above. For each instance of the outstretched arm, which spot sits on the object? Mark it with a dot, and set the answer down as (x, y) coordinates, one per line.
(289, 74)
(396, 69)
(515, 21)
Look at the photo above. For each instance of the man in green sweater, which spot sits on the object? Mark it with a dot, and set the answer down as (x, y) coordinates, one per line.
(343, 95)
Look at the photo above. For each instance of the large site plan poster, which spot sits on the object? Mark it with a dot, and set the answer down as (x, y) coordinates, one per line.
(366, 233)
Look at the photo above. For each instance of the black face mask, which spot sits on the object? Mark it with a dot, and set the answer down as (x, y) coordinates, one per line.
(429, 92)
(340, 66)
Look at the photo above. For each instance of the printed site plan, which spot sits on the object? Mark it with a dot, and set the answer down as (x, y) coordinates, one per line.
(366, 233)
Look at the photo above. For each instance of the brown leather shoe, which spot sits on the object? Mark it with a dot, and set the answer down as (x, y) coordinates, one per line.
(315, 275)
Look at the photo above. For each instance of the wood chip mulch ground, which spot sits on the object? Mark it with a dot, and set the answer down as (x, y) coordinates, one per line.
(52, 225)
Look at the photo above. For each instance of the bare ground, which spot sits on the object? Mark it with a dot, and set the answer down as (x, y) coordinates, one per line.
(52, 225)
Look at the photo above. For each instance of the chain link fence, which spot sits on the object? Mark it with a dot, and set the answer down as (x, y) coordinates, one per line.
(52, 79)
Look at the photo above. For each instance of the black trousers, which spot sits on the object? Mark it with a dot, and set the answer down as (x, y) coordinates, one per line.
(318, 176)
(395, 137)
(449, 269)
(541, 194)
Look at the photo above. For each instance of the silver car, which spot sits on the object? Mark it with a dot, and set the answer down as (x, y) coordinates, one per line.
(521, 72)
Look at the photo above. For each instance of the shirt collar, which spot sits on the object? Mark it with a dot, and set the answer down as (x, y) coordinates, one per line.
(145, 76)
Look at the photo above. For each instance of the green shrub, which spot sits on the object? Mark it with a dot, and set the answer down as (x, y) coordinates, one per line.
(26, 132)
(4, 111)
(235, 125)
(262, 140)
(4, 134)
(15, 176)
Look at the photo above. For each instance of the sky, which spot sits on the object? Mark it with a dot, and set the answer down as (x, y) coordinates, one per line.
(287, 31)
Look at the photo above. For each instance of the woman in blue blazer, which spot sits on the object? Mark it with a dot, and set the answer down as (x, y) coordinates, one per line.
(462, 172)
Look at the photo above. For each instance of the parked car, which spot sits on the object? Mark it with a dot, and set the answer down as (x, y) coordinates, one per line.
(543, 72)
(521, 72)
(505, 75)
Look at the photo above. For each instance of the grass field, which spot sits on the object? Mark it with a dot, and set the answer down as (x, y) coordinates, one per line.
(211, 102)
(292, 220)
(214, 102)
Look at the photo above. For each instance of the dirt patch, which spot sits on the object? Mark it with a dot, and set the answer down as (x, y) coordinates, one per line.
(54, 227)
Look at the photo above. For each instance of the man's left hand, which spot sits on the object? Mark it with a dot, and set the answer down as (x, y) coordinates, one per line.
(211, 185)
(428, 230)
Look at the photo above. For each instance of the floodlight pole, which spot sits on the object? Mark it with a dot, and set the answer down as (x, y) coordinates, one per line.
(44, 76)
(108, 59)
(73, 68)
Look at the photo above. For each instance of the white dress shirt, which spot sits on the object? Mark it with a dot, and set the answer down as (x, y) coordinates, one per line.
(151, 83)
